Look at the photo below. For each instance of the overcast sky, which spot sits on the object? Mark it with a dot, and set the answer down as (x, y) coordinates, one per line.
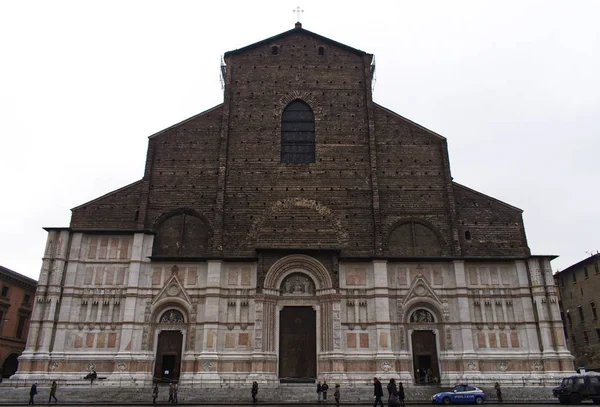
(513, 85)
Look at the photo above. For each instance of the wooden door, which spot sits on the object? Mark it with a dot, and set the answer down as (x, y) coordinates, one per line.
(297, 344)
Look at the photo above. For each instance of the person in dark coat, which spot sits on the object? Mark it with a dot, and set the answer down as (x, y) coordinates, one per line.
(401, 394)
(32, 393)
(378, 392)
(498, 391)
(53, 392)
(392, 393)
(319, 391)
(154, 393)
(325, 388)
(254, 391)
(336, 394)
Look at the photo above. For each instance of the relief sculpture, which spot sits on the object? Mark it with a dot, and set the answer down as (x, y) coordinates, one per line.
(297, 284)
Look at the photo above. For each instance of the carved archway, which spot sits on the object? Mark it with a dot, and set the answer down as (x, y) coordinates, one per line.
(307, 265)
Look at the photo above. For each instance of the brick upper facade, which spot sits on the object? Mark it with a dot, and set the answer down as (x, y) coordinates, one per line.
(380, 185)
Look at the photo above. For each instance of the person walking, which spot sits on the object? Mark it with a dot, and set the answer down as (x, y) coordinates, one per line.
(171, 391)
(336, 394)
(498, 391)
(325, 388)
(392, 393)
(175, 393)
(254, 391)
(53, 392)
(378, 392)
(154, 393)
(319, 391)
(32, 393)
(401, 394)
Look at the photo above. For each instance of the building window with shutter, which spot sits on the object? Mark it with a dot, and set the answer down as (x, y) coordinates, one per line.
(298, 133)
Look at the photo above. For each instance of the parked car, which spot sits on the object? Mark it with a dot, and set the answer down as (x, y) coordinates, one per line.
(574, 389)
(462, 393)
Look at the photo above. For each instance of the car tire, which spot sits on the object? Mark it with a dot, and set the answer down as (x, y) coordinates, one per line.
(563, 399)
(446, 400)
(575, 398)
(478, 400)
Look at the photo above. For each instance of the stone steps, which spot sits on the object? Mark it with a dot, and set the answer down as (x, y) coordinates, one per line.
(106, 394)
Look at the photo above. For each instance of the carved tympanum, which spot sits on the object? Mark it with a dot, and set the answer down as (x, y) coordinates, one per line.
(171, 316)
(297, 284)
(421, 316)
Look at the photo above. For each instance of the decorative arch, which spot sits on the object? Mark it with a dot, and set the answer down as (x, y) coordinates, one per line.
(181, 233)
(297, 133)
(298, 263)
(423, 303)
(414, 238)
(172, 303)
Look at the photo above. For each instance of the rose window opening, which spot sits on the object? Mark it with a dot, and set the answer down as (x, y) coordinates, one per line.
(297, 284)
(171, 316)
(422, 316)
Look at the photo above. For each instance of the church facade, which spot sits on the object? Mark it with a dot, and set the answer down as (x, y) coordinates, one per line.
(298, 230)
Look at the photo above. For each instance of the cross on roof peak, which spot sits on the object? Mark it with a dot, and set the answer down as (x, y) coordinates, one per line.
(298, 10)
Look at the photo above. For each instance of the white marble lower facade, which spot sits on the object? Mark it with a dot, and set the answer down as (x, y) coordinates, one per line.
(103, 304)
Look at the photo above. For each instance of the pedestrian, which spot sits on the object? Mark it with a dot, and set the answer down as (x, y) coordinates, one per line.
(336, 394)
(319, 391)
(392, 393)
(175, 393)
(171, 391)
(401, 394)
(254, 391)
(154, 393)
(325, 387)
(53, 392)
(93, 376)
(498, 391)
(32, 393)
(378, 392)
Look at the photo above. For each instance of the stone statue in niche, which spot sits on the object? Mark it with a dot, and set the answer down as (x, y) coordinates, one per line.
(172, 316)
(298, 284)
(421, 316)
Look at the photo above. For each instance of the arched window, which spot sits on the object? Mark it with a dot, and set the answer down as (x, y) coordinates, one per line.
(297, 133)
(321, 51)
(181, 235)
(414, 239)
(275, 50)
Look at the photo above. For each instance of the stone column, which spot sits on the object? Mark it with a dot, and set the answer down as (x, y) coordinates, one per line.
(385, 358)
(208, 358)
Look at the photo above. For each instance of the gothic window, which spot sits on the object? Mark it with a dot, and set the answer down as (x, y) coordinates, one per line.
(297, 133)
(275, 50)
(581, 317)
(414, 239)
(321, 51)
(181, 235)
(594, 312)
(171, 316)
(585, 273)
(422, 316)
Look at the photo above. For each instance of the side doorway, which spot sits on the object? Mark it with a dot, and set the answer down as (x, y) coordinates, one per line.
(167, 365)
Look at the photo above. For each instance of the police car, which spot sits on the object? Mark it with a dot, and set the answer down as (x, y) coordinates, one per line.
(462, 393)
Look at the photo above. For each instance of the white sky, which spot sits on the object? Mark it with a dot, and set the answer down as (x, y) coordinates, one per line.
(513, 85)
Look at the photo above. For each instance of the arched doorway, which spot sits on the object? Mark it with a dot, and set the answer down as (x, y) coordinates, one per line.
(297, 344)
(10, 365)
(424, 347)
(169, 347)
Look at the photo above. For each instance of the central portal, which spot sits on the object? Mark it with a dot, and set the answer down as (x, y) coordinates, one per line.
(425, 357)
(297, 344)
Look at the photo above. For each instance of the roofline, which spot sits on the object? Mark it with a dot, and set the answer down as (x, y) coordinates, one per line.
(297, 30)
(158, 133)
(487, 196)
(409, 121)
(18, 276)
(587, 260)
(107, 194)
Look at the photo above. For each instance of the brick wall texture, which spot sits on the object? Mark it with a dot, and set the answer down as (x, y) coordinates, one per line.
(214, 185)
